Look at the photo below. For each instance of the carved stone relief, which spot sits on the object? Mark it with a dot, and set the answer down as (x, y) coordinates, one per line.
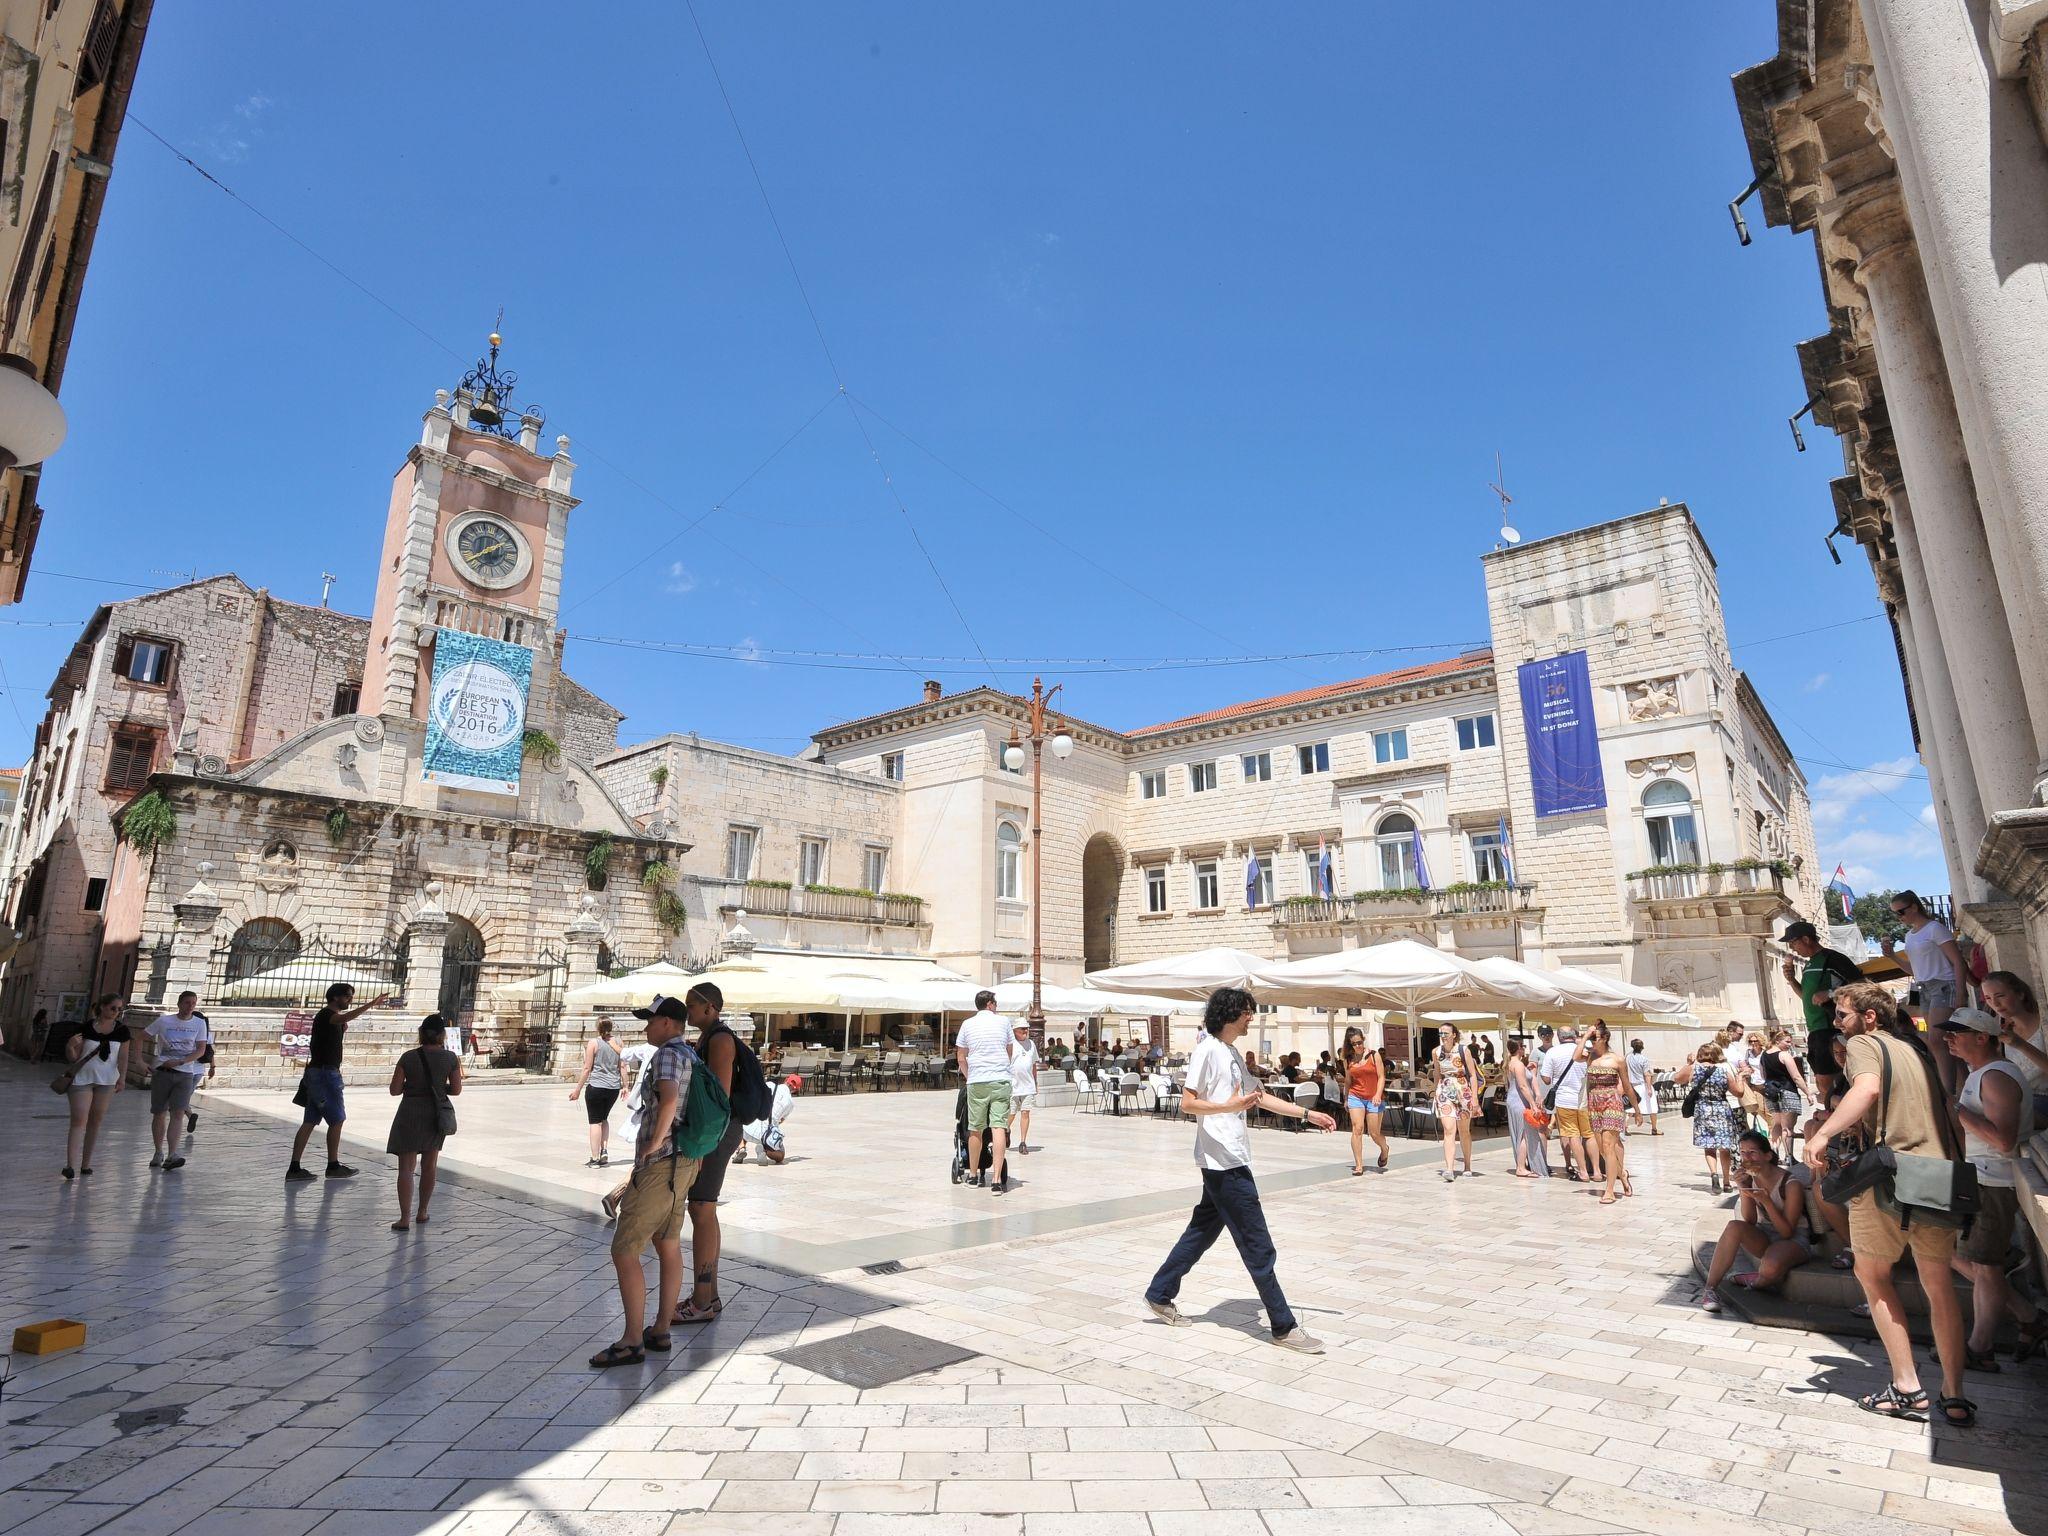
(1653, 698)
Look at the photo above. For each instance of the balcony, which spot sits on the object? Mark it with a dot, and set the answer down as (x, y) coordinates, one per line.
(1739, 898)
(1372, 909)
(775, 898)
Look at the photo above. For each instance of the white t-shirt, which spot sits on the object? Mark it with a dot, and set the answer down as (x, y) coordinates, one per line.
(1638, 1068)
(1216, 1072)
(1923, 951)
(1736, 1058)
(1023, 1069)
(176, 1037)
(778, 1111)
(1994, 1168)
(986, 1040)
(1558, 1066)
(634, 1059)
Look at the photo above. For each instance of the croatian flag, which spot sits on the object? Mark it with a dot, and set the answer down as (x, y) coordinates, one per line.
(1251, 882)
(1839, 887)
(1326, 871)
(1421, 861)
(1507, 851)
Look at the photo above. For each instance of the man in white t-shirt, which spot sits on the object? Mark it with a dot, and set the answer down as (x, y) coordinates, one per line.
(1561, 1065)
(983, 1049)
(180, 1040)
(765, 1135)
(1023, 1079)
(1218, 1093)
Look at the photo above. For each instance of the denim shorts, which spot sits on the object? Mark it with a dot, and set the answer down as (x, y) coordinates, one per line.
(1370, 1106)
(1937, 994)
(321, 1093)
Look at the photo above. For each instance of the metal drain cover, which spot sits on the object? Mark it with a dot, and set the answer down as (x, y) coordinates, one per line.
(873, 1357)
(886, 1267)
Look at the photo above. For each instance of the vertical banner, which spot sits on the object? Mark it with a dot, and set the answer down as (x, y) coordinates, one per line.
(1564, 741)
(476, 723)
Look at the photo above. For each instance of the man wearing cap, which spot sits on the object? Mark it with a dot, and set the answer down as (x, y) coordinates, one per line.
(1816, 973)
(1023, 1080)
(765, 1136)
(652, 1207)
(1997, 1115)
(982, 1050)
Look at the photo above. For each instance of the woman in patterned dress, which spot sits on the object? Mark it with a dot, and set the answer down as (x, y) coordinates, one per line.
(1714, 1125)
(1457, 1096)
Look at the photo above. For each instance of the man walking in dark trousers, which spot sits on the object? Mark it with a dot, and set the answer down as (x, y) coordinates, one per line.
(1218, 1093)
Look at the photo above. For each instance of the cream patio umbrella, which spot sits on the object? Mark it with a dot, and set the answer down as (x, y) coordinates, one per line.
(1190, 977)
(635, 989)
(1621, 996)
(304, 981)
(1399, 974)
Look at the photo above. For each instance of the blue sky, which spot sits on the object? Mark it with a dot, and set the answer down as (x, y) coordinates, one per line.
(1234, 304)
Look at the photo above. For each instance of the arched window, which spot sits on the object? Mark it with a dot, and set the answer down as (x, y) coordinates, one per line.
(1009, 862)
(1668, 818)
(462, 958)
(1396, 839)
(261, 944)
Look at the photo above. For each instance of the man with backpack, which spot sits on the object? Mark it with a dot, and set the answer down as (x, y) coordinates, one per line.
(650, 1209)
(738, 1071)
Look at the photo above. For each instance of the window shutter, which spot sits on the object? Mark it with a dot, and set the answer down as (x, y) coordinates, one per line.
(124, 656)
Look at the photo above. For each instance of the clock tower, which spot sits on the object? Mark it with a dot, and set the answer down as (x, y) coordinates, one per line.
(473, 544)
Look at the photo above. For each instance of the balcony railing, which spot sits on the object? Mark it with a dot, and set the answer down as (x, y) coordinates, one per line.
(1394, 906)
(774, 898)
(1708, 883)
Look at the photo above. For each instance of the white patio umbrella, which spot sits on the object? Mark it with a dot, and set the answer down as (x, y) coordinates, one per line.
(1398, 974)
(636, 989)
(1622, 996)
(1191, 977)
(302, 981)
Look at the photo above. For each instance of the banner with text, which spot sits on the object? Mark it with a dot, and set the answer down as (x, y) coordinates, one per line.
(1564, 741)
(476, 721)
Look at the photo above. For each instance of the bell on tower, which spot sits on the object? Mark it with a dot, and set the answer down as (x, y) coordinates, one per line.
(485, 396)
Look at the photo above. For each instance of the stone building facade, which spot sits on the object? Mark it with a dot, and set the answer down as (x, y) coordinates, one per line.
(67, 68)
(1910, 138)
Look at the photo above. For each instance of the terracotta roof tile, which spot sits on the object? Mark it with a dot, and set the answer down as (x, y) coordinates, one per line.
(1392, 679)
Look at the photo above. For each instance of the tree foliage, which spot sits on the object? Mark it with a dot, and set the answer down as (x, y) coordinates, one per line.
(1872, 913)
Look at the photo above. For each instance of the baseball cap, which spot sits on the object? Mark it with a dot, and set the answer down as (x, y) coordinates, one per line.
(1801, 930)
(793, 1083)
(663, 1008)
(1972, 1018)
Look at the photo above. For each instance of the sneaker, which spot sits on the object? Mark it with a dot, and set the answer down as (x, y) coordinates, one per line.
(610, 1203)
(173, 1162)
(295, 1173)
(1298, 1341)
(590, 1162)
(1169, 1314)
(156, 1160)
(1710, 1303)
(340, 1171)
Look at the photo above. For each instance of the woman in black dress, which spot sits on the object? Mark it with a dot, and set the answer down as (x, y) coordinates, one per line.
(423, 1082)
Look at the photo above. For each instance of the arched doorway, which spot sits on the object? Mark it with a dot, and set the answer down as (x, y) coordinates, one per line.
(1101, 882)
(461, 960)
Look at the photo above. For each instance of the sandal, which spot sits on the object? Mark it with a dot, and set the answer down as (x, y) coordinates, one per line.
(1843, 1260)
(2032, 1339)
(658, 1342)
(1358, 1173)
(1892, 1403)
(690, 1312)
(617, 1354)
(401, 1226)
(421, 1218)
(1957, 1412)
(1986, 1362)
(1607, 1199)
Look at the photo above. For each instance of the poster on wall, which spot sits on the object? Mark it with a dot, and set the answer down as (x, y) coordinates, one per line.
(1564, 741)
(476, 719)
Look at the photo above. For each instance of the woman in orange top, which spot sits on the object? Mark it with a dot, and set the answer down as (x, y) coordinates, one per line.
(1365, 1080)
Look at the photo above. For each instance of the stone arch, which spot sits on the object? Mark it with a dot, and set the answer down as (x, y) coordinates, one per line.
(1102, 877)
(461, 901)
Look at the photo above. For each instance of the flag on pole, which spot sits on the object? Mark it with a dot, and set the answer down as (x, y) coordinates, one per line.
(1251, 881)
(1507, 852)
(1839, 888)
(1421, 861)
(1326, 870)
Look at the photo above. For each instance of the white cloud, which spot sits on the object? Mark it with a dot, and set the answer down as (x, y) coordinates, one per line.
(680, 579)
(230, 140)
(749, 650)
(1818, 681)
(1878, 824)
(1838, 798)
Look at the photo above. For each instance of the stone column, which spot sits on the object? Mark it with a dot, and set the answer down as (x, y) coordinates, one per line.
(1975, 175)
(426, 944)
(739, 945)
(1956, 819)
(580, 940)
(192, 955)
(1943, 535)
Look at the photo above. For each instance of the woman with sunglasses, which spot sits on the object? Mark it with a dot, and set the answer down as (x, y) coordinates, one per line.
(1935, 962)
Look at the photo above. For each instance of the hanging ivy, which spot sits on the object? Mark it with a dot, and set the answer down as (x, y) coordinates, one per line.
(659, 775)
(149, 823)
(337, 826)
(597, 861)
(669, 910)
(538, 743)
(655, 875)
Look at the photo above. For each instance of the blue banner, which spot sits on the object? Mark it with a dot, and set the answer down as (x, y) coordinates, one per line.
(1564, 741)
(476, 718)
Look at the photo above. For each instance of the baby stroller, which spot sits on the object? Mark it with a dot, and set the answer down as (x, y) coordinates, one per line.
(988, 1142)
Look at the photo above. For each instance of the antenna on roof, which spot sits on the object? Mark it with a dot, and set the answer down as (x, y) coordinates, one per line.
(182, 578)
(327, 580)
(1498, 485)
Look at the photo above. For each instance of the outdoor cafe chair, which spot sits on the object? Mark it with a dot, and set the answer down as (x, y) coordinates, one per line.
(1085, 1091)
(1127, 1091)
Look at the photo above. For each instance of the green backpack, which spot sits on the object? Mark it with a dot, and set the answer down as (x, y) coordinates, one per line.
(700, 1124)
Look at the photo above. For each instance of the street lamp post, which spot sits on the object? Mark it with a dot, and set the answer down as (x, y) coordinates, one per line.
(1013, 759)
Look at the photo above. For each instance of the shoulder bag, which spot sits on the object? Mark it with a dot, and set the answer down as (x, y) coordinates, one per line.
(444, 1108)
(1689, 1106)
(1941, 1191)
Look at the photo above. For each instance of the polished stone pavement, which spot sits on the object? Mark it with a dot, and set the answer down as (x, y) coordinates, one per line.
(1505, 1358)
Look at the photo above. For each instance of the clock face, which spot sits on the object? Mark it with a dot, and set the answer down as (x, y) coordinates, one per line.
(491, 553)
